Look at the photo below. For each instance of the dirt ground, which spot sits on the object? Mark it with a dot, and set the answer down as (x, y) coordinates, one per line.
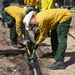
(14, 61)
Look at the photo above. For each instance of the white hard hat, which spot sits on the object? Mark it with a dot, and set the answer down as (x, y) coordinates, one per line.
(27, 19)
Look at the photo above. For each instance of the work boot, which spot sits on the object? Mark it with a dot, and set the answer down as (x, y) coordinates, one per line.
(49, 55)
(57, 65)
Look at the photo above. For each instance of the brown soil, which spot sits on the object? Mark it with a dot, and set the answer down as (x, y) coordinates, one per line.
(14, 61)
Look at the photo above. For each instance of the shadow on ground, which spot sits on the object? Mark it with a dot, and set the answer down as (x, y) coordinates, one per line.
(8, 53)
(45, 44)
(67, 54)
(72, 58)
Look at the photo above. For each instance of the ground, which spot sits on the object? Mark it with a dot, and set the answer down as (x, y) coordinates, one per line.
(14, 61)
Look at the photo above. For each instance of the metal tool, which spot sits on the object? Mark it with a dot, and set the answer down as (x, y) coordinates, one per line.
(33, 63)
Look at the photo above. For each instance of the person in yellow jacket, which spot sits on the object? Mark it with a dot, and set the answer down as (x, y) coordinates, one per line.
(13, 16)
(58, 19)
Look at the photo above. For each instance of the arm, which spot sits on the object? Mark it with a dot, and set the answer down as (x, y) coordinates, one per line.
(19, 26)
(43, 32)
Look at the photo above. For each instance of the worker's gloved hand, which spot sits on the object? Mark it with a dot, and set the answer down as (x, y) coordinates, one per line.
(35, 46)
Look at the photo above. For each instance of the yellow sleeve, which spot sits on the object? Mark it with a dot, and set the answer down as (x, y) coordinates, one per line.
(19, 26)
(43, 32)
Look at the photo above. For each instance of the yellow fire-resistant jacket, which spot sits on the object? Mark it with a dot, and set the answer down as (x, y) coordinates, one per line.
(49, 19)
(30, 2)
(47, 4)
(18, 14)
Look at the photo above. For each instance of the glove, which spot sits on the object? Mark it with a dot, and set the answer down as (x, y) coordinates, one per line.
(35, 46)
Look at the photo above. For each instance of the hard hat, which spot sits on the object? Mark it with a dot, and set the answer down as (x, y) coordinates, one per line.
(27, 19)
